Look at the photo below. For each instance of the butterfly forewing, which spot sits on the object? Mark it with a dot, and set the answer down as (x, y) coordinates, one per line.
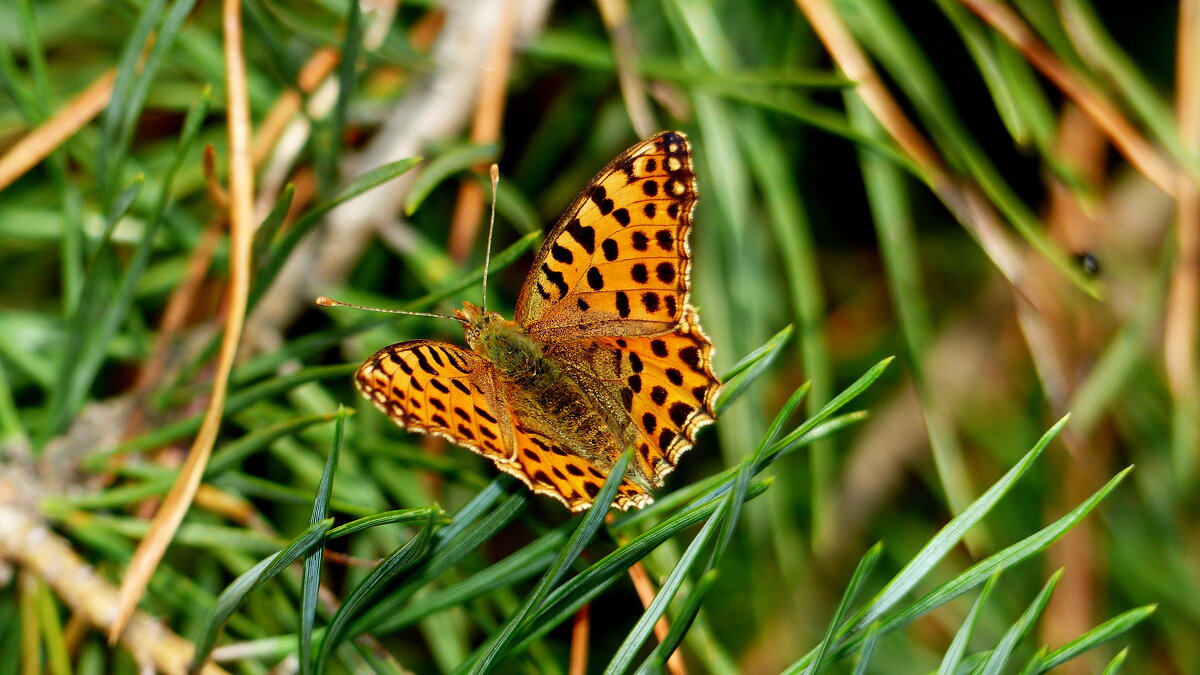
(438, 388)
(617, 262)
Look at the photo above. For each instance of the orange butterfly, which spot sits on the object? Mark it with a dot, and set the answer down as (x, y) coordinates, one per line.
(605, 353)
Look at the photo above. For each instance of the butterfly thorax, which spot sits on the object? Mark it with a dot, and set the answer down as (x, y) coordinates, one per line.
(543, 391)
(504, 343)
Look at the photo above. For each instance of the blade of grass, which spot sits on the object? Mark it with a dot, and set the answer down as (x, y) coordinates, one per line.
(999, 657)
(951, 534)
(866, 651)
(958, 646)
(1106, 631)
(311, 580)
(687, 614)
(282, 250)
(235, 594)
(454, 160)
(750, 368)
(400, 560)
(492, 651)
(861, 573)
(645, 624)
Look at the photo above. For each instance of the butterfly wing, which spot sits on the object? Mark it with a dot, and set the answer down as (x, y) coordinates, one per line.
(438, 388)
(658, 391)
(617, 262)
(608, 294)
(445, 390)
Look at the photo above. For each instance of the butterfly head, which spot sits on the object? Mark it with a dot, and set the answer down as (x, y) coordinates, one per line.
(477, 322)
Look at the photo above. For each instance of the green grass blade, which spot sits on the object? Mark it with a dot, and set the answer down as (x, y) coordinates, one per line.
(79, 369)
(750, 368)
(400, 560)
(453, 161)
(1106, 631)
(469, 529)
(269, 227)
(861, 573)
(234, 594)
(951, 534)
(492, 651)
(1114, 666)
(386, 518)
(282, 250)
(641, 630)
(679, 627)
(866, 651)
(999, 656)
(958, 646)
(311, 580)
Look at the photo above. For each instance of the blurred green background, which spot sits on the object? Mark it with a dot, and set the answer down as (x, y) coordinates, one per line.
(1018, 266)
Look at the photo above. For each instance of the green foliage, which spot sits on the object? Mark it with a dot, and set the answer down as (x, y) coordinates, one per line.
(864, 503)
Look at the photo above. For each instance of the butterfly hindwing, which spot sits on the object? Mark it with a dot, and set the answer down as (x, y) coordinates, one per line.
(659, 390)
(617, 262)
(438, 388)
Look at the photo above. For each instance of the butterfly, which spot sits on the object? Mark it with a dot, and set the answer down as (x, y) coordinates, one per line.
(605, 352)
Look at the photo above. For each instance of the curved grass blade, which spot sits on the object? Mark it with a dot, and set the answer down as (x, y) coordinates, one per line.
(311, 580)
(233, 595)
(679, 627)
(492, 651)
(385, 518)
(521, 565)
(1114, 666)
(581, 588)
(78, 369)
(400, 560)
(999, 657)
(867, 650)
(641, 630)
(236, 403)
(464, 534)
(951, 534)
(1098, 635)
(746, 371)
(861, 573)
(958, 646)
(981, 571)
(266, 231)
(454, 160)
(354, 188)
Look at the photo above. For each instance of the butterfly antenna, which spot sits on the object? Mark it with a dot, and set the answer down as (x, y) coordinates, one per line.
(327, 302)
(487, 256)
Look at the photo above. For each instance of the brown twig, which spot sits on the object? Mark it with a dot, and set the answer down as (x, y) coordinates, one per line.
(615, 14)
(646, 592)
(27, 542)
(241, 194)
(1124, 136)
(1183, 299)
(580, 628)
(49, 135)
(485, 128)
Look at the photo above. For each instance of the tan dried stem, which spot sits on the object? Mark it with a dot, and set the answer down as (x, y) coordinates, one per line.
(1124, 136)
(485, 129)
(241, 194)
(49, 135)
(646, 592)
(580, 629)
(615, 14)
(318, 67)
(1183, 300)
(26, 541)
